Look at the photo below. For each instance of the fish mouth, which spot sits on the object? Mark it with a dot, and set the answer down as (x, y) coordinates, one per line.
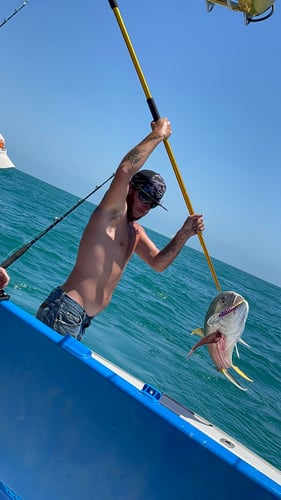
(232, 308)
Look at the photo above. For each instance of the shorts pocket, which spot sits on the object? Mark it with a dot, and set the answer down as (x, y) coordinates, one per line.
(68, 322)
(45, 314)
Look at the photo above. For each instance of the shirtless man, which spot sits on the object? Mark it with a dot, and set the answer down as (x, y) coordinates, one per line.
(110, 238)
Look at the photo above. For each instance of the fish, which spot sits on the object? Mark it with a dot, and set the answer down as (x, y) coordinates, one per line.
(224, 325)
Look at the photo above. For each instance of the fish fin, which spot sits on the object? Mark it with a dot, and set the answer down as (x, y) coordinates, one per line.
(244, 343)
(198, 331)
(212, 338)
(237, 352)
(213, 319)
(242, 374)
(232, 379)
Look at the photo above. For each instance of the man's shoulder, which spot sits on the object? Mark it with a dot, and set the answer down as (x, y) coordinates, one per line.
(138, 228)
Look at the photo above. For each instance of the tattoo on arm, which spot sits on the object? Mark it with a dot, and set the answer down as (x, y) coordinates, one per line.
(168, 249)
(135, 156)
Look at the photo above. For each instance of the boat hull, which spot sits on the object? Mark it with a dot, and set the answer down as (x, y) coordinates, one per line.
(75, 426)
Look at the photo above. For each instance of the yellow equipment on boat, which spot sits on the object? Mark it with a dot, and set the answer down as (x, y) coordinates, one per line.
(253, 10)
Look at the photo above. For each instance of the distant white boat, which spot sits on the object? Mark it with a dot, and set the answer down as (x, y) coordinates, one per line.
(5, 161)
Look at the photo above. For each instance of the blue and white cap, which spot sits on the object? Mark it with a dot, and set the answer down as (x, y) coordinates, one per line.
(151, 183)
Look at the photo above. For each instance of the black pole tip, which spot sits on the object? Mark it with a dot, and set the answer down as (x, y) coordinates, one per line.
(153, 109)
(113, 4)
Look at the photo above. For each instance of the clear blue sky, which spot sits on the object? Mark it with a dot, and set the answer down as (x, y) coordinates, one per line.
(72, 106)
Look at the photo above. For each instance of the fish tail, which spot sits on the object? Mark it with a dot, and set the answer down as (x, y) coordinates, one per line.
(242, 374)
(232, 379)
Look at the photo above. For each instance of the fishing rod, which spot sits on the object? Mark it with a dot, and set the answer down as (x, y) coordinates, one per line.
(18, 253)
(155, 114)
(13, 13)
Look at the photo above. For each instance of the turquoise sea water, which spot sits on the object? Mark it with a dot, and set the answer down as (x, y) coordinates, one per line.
(146, 328)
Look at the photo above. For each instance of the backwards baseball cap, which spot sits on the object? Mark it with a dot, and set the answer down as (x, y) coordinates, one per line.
(151, 184)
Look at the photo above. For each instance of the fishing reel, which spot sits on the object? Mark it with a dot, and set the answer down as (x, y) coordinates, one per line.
(4, 295)
(253, 10)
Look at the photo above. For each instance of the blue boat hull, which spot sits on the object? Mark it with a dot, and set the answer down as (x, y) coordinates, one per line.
(75, 427)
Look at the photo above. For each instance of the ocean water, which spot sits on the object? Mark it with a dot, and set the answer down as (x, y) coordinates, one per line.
(147, 327)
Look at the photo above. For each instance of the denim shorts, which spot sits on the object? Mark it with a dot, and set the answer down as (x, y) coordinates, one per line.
(62, 313)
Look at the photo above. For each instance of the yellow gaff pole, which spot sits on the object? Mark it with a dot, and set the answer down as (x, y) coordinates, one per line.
(156, 116)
